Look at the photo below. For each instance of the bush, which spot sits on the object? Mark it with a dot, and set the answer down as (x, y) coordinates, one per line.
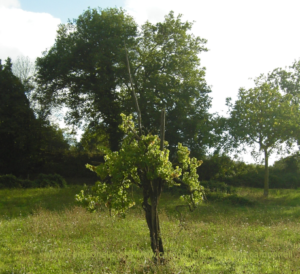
(50, 180)
(237, 200)
(215, 186)
(43, 180)
(9, 181)
(277, 179)
(231, 199)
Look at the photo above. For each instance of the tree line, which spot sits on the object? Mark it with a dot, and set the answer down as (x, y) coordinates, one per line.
(85, 71)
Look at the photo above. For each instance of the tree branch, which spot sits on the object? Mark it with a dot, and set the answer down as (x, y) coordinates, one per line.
(134, 94)
(162, 129)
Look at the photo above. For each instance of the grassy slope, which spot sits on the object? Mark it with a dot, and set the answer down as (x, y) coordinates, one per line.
(42, 231)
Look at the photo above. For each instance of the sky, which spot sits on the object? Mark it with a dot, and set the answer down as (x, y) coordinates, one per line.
(245, 38)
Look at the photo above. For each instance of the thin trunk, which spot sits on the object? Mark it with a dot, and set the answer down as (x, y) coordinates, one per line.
(152, 218)
(266, 181)
(152, 191)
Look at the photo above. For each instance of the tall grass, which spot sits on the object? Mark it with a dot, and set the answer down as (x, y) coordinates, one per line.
(43, 231)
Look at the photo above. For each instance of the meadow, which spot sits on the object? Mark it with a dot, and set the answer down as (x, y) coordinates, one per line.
(44, 231)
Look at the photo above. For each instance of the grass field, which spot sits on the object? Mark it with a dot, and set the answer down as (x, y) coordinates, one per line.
(43, 231)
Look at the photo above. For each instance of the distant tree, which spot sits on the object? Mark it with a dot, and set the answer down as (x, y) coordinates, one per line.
(27, 143)
(24, 69)
(17, 124)
(95, 139)
(290, 164)
(265, 117)
(218, 167)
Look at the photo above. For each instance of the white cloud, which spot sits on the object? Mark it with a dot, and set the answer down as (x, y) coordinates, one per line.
(245, 38)
(25, 33)
(152, 11)
(9, 4)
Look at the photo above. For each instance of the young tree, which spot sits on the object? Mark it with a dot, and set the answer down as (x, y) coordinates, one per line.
(143, 160)
(263, 116)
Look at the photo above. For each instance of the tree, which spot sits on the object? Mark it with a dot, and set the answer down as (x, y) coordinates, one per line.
(263, 116)
(86, 71)
(85, 68)
(95, 139)
(143, 160)
(287, 80)
(24, 69)
(17, 124)
(290, 164)
(167, 74)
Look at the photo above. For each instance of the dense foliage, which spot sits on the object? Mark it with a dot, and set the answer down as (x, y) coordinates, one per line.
(85, 70)
(17, 124)
(29, 145)
(283, 174)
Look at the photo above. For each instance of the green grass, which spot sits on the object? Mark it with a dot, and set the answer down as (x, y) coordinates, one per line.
(43, 231)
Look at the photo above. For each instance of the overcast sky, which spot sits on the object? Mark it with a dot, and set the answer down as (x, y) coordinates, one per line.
(245, 38)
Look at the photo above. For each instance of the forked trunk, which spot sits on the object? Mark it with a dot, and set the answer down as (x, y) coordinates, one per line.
(152, 218)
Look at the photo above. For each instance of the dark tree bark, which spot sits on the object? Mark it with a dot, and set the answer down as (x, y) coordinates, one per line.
(151, 212)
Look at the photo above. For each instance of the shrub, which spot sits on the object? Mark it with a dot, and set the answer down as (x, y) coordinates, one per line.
(9, 181)
(237, 200)
(50, 180)
(215, 186)
(231, 199)
(43, 180)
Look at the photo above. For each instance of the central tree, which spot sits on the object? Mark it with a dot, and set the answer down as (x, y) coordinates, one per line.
(143, 161)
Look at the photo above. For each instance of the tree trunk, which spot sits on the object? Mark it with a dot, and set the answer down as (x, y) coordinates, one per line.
(266, 181)
(152, 216)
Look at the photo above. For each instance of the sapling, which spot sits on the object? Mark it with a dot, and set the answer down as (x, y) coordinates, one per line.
(143, 160)
(143, 163)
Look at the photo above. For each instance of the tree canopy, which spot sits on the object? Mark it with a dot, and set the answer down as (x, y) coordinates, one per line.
(288, 80)
(167, 74)
(86, 71)
(84, 68)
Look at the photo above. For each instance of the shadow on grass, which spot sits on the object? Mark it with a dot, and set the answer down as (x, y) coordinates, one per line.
(22, 202)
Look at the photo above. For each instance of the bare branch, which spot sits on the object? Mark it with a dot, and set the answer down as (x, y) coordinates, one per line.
(162, 129)
(134, 94)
